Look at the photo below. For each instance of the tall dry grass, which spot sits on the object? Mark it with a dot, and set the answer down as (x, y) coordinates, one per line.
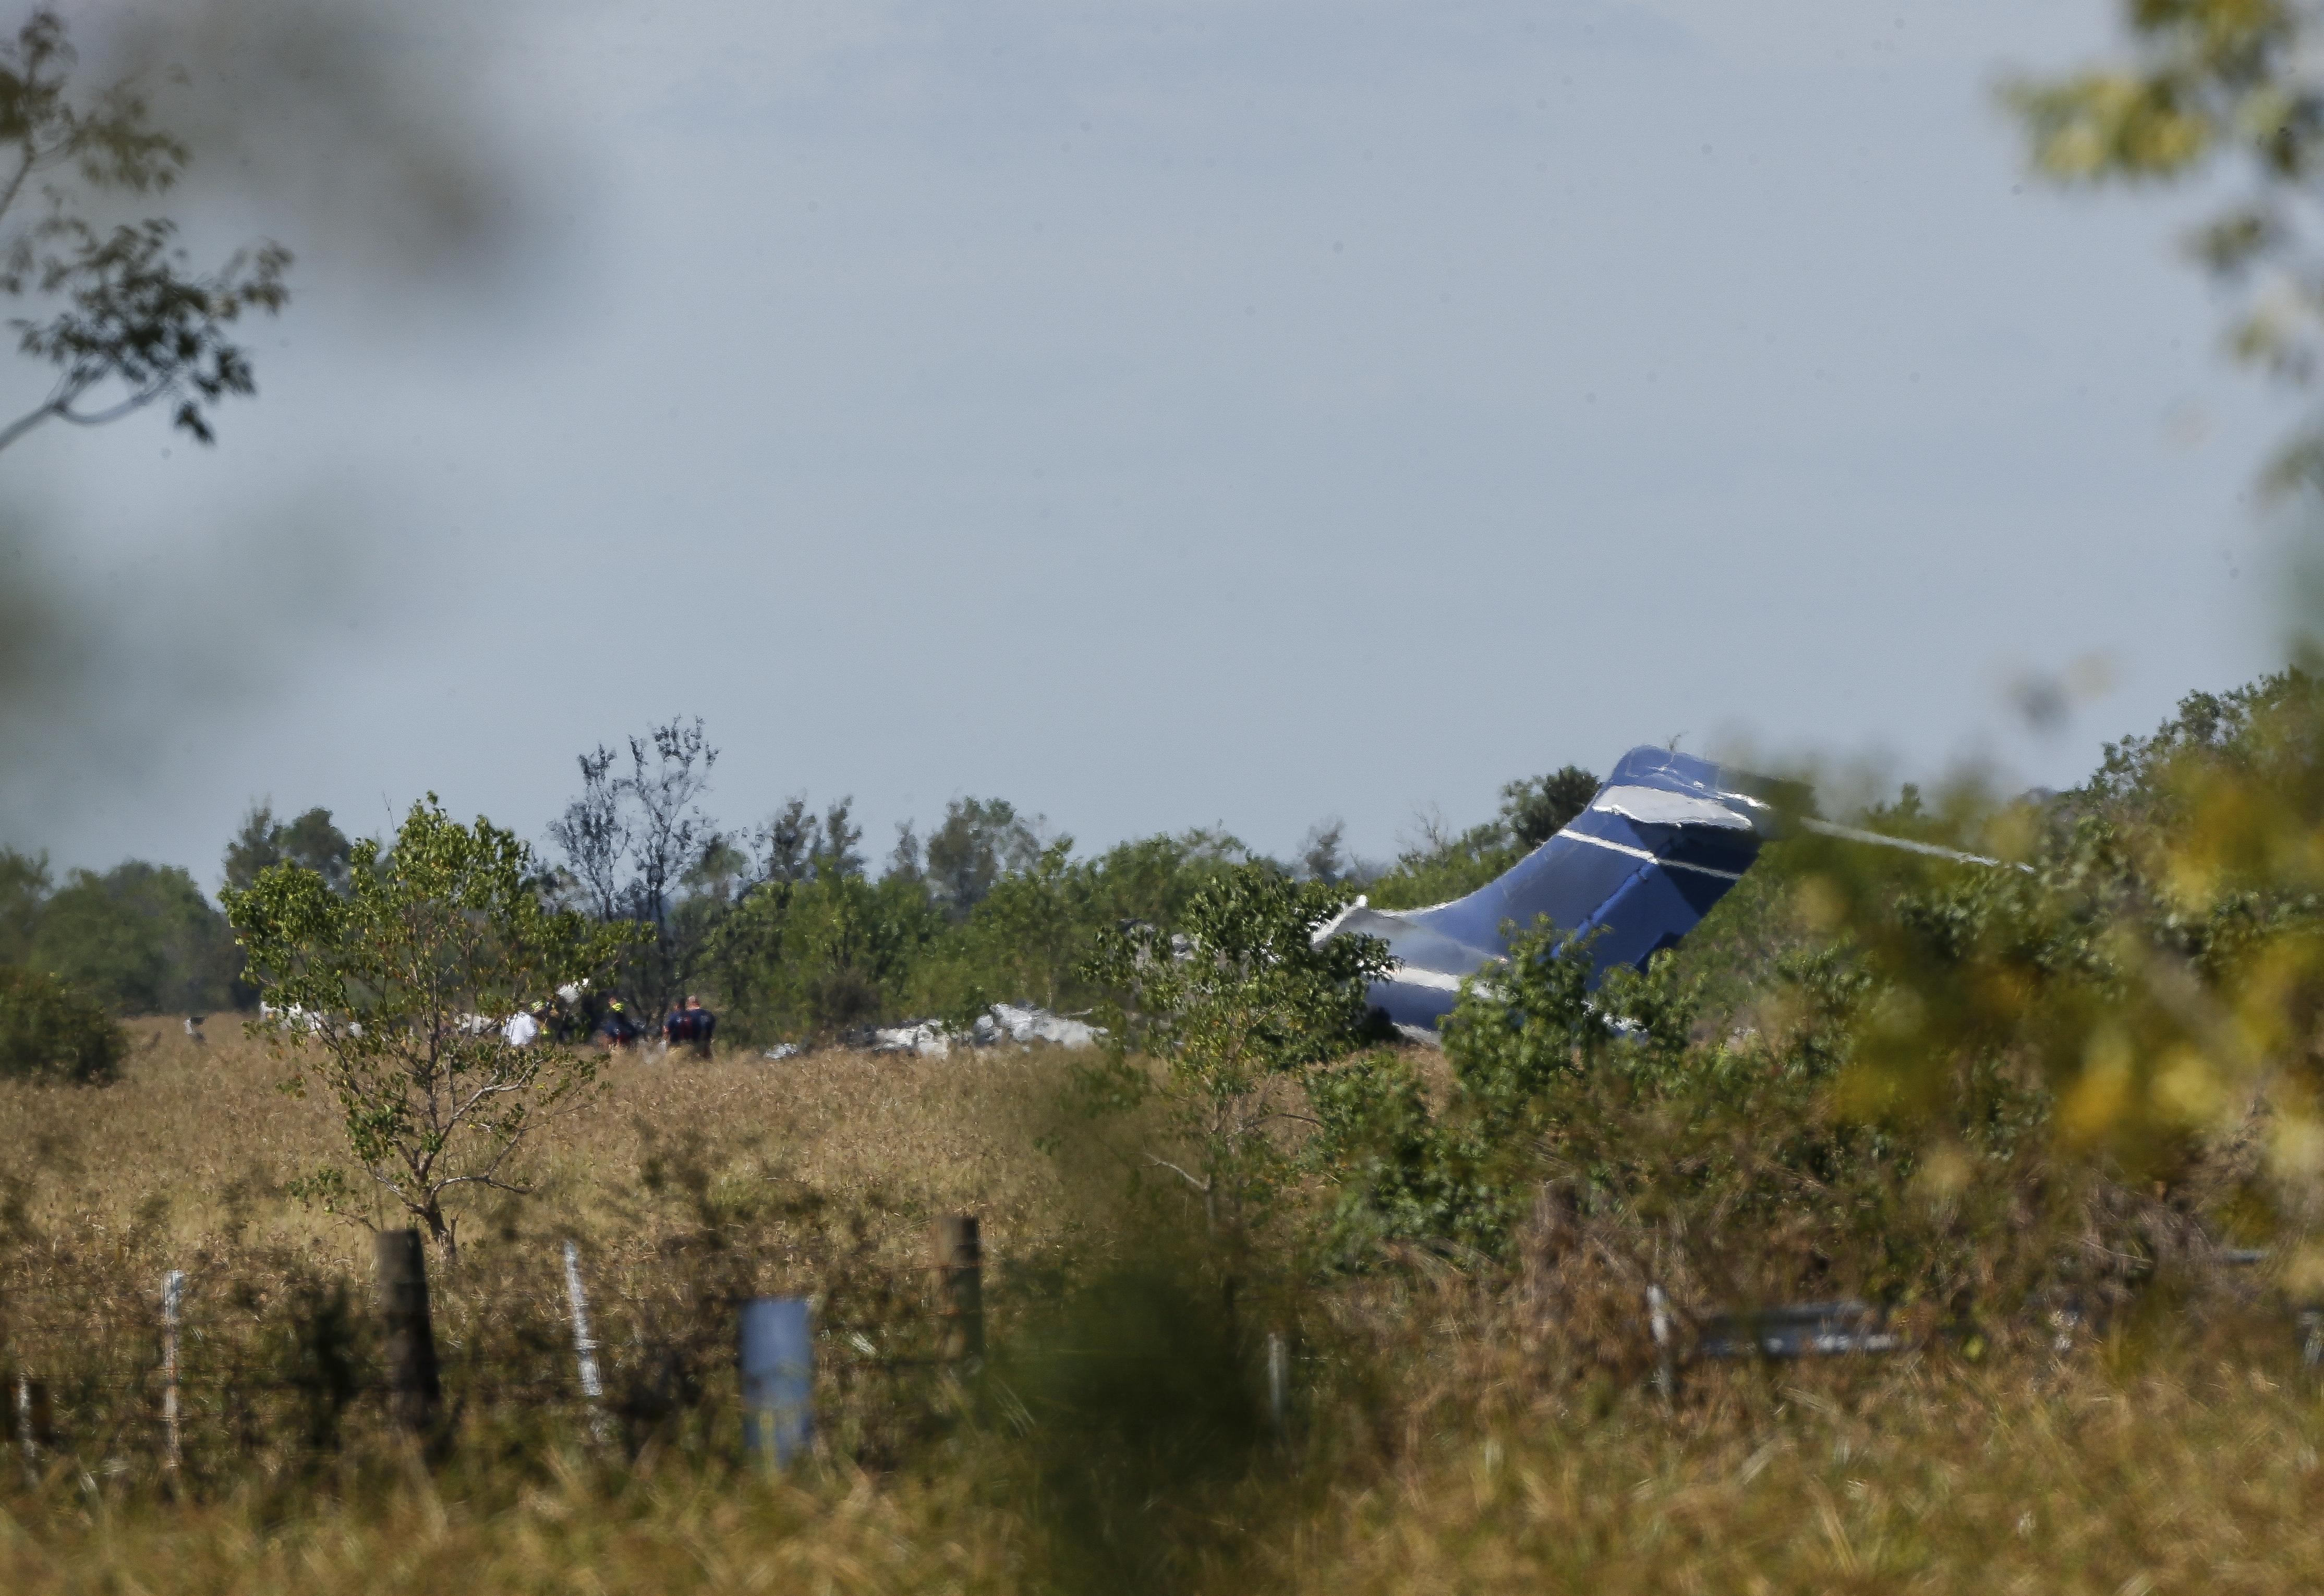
(1446, 1437)
(194, 1145)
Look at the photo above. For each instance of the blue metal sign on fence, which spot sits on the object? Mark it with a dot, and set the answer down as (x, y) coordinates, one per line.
(778, 1367)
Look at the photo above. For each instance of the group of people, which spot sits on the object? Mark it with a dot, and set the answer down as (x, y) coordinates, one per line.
(690, 1027)
(610, 1022)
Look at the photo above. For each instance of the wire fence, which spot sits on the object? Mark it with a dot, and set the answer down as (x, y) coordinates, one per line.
(113, 1367)
(210, 1371)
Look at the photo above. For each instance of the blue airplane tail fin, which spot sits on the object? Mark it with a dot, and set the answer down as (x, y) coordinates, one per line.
(1660, 842)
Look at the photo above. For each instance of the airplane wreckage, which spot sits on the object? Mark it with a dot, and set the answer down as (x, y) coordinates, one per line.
(1660, 842)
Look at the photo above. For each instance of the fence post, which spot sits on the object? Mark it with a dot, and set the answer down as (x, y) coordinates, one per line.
(959, 1260)
(584, 1345)
(173, 1288)
(36, 1423)
(1278, 1383)
(777, 1358)
(1658, 1325)
(415, 1394)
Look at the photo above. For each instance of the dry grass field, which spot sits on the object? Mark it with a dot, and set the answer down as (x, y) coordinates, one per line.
(192, 1147)
(1453, 1460)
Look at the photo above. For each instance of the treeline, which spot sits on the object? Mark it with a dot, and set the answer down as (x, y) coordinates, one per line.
(786, 927)
(144, 939)
(789, 927)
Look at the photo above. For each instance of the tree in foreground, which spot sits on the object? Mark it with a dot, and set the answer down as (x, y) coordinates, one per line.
(1239, 1008)
(392, 995)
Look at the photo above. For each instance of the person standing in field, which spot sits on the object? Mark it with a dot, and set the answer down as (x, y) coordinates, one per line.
(618, 1030)
(699, 1023)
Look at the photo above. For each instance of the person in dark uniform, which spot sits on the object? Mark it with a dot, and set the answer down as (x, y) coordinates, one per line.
(699, 1023)
(617, 1028)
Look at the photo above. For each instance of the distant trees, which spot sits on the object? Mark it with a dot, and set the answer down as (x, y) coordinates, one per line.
(1445, 864)
(633, 840)
(311, 841)
(142, 939)
(23, 892)
(786, 925)
(793, 845)
(824, 948)
(139, 938)
(980, 841)
(1536, 809)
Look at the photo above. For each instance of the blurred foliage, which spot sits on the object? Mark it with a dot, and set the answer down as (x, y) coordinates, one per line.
(50, 1032)
(2205, 84)
(1139, 1411)
(133, 323)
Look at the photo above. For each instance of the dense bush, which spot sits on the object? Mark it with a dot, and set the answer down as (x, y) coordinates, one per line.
(50, 1032)
(816, 950)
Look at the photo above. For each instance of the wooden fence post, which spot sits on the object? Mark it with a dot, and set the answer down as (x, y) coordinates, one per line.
(775, 1354)
(1278, 1383)
(584, 1345)
(415, 1393)
(35, 1421)
(173, 1455)
(959, 1262)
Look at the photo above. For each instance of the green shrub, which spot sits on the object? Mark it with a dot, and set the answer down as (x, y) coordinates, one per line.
(50, 1032)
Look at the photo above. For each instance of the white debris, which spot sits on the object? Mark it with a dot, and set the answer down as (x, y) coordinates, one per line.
(521, 1031)
(1006, 1022)
(1034, 1025)
(783, 1050)
(298, 1018)
(927, 1038)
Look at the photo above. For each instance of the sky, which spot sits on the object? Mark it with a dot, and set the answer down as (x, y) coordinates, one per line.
(1161, 413)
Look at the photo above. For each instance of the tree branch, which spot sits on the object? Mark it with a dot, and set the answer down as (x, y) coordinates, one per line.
(1203, 1186)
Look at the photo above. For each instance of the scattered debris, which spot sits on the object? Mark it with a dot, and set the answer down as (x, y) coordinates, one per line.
(783, 1050)
(1034, 1025)
(1798, 1330)
(927, 1037)
(1006, 1022)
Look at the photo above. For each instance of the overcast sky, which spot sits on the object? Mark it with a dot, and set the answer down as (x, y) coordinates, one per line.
(1170, 413)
